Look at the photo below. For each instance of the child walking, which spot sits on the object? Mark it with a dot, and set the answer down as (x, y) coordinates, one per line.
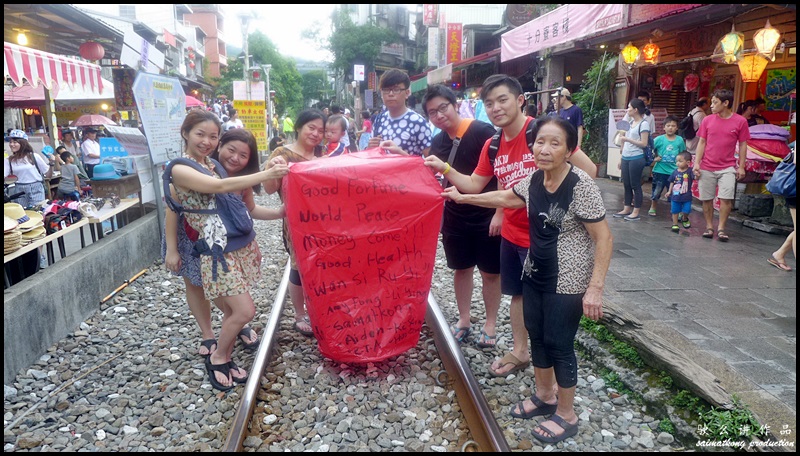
(667, 148)
(680, 188)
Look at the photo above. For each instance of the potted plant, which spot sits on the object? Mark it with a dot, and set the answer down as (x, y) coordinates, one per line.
(594, 98)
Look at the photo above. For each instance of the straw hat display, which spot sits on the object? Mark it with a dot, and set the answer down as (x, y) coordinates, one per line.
(12, 241)
(27, 220)
(9, 224)
(34, 234)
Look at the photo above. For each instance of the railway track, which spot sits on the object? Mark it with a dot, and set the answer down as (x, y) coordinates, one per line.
(452, 375)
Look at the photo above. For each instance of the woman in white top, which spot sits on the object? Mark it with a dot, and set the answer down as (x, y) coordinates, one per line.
(633, 162)
(29, 168)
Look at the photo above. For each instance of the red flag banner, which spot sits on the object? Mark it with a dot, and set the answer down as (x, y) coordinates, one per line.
(430, 14)
(364, 227)
(454, 31)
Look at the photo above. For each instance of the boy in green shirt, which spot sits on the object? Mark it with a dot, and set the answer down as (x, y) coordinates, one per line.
(667, 147)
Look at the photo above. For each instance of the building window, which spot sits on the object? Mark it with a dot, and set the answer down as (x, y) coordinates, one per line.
(127, 11)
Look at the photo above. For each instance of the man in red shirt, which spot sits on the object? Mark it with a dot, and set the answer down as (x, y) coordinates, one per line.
(503, 98)
(715, 161)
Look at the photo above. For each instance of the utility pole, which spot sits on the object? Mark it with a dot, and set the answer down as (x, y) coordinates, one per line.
(246, 65)
(266, 68)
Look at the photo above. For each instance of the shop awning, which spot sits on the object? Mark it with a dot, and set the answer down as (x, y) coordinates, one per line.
(420, 84)
(21, 63)
(25, 96)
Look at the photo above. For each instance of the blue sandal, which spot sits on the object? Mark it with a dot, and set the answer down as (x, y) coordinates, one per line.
(484, 340)
(461, 333)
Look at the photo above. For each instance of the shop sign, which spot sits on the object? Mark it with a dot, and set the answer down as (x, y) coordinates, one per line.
(478, 73)
(392, 49)
(433, 47)
(454, 32)
(562, 25)
(372, 77)
(518, 14)
(701, 40)
(430, 14)
(252, 113)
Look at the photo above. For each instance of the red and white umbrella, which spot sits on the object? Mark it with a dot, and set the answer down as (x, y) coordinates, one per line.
(91, 120)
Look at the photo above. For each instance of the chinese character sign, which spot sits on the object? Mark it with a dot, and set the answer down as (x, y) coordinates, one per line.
(454, 32)
(430, 14)
(433, 47)
(252, 115)
(364, 227)
(358, 72)
(564, 24)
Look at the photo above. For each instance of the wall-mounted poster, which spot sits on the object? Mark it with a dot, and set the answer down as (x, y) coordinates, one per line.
(776, 86)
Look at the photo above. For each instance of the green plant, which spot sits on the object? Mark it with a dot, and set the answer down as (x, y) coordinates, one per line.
(665, 380)
(738, 423)
(618, 347)
(666, 425)
(594, 99)
(685, 399)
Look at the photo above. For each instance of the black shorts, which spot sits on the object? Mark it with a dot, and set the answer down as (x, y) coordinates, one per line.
(512, 258)
(466, 251)
(294, 277)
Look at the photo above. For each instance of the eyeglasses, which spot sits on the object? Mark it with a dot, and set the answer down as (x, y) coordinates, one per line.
(442, 109)
(393, 90)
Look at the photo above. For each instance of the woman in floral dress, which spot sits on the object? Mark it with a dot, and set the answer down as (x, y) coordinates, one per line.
(231, 289)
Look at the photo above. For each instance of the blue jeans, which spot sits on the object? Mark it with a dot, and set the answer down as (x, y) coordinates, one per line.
(632, 181)
(660, 182)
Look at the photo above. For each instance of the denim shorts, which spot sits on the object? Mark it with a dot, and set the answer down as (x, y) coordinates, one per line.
(681, 208)
(512, 258)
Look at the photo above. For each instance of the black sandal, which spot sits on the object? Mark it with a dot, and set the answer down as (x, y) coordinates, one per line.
(232, 366)
(247, 332)
(212, 378)
(208, 343)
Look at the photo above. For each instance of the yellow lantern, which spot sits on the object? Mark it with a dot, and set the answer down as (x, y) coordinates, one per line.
(751, 67)
(629, 54)
(731, 46)
(766, 40)
(650, 53)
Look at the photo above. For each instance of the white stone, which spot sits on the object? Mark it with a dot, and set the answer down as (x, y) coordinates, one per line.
(166, 283)
(129, 430)
(438, 449)
(606, 433)
(269, 419)
(100, 434)
(120, 309)
(167, 373)
(409, 414)
(174, 357)
(64, 429)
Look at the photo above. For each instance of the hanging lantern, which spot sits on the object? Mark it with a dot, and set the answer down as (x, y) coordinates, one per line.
(191, 65)
(751, 67)
(690, 82)
(92, 50)
(766, 40)
(650, 53)
(629, 54)
(190, 49)
(191, 55)
(666, 82)
(707, 73)
(730, 47)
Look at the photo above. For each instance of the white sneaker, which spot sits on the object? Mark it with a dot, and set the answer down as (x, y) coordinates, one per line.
(42, 262)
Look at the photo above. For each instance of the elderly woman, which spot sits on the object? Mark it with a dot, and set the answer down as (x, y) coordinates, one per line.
(564, 272)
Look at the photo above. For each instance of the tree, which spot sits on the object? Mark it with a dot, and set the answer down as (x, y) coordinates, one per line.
(284, 79)
(316, 87)
(594, 98)
(352, 44)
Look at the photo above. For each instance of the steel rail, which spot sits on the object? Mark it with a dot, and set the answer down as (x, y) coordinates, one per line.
(244, 412)
(480, 419)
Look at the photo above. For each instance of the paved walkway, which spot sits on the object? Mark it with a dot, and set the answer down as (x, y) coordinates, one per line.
(720, 303)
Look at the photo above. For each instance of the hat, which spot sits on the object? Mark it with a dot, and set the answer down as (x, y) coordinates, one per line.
(34, 234)
(9, 224)
(563, 92)
(26, 219)
(346, 112)
(12, 241)
(104, 171)
(19, 134)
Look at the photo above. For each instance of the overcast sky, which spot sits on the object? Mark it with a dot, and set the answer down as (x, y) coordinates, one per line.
(283, 24)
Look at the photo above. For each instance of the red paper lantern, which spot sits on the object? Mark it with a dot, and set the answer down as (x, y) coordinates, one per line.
(707, 73)
(690, 82)
(666, 82)
(92, 50)
(191, 65)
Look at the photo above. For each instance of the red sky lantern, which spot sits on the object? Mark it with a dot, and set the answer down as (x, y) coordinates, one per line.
(666, 82)
(92, 50)
(691, 82)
